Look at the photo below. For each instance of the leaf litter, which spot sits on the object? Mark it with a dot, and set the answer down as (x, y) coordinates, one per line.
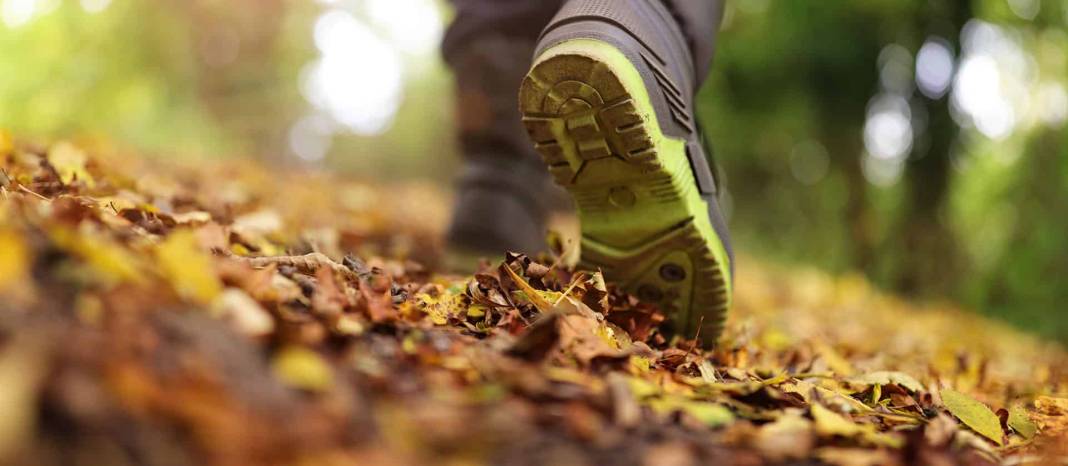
(225, 314)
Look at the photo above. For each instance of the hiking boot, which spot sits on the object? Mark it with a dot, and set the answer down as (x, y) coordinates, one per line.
(609, 105)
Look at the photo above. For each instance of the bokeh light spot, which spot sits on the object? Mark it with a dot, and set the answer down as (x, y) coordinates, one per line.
(1026, 9)
(16, 13)
(888, 131)
(934, 68)
(1053, 104)
(358, 79)
(414, 26)
(310, 138)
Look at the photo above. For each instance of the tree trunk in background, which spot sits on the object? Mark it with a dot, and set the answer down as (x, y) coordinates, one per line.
(845, 141)
(930, 254)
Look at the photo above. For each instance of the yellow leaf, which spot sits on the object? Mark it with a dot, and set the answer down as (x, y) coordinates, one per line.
(434, 307)
(1021, 422)
(973, 414)
(111, 263)
(14, 259)
(7, 145)
(886, 378)
(838, 363)
(536, 298)
(70, 162)
(711, 414)
(832, 424)
(303, 368)
(189, 270)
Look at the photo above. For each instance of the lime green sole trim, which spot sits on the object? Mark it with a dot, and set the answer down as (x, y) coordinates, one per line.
(643, 220)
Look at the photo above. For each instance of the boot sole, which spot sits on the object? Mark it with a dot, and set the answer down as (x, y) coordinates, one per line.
(644, 223)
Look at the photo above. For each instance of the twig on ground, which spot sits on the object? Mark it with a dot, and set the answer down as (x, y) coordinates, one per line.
(308, 263)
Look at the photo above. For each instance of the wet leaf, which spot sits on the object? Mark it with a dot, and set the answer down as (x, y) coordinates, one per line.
(973, 414)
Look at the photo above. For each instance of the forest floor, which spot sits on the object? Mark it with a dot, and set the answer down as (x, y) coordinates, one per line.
(155, 313)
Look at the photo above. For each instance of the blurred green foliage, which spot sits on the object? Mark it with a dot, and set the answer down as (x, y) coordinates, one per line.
(978, 219)
(957, 214)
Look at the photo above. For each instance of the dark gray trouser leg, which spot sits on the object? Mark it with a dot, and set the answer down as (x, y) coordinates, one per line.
(700, 21)
(522, 19)
(489, 46)
(504, 193)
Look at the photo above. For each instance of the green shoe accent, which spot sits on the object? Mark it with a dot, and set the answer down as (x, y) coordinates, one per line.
(644, 223)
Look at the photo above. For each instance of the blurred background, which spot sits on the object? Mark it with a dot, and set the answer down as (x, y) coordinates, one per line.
(920, 142)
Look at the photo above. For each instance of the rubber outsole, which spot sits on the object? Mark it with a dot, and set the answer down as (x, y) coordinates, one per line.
(644, 223)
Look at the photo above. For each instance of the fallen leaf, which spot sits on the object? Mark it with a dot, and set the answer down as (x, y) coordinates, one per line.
(70, 162)
(585, 338)
(854, 457)
(189, 270)
(886, 378)
(22, 366)
(263, 222)
(1051, 416)
(303, 368)
(538, 339)
(111, 263)
(7, 145)
(1021, 422)
(834, 359)
(791, 437)
(533, 295)
(14, 259)
(244, 313)
(973, 414)
(832, 424)
(708, 413)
